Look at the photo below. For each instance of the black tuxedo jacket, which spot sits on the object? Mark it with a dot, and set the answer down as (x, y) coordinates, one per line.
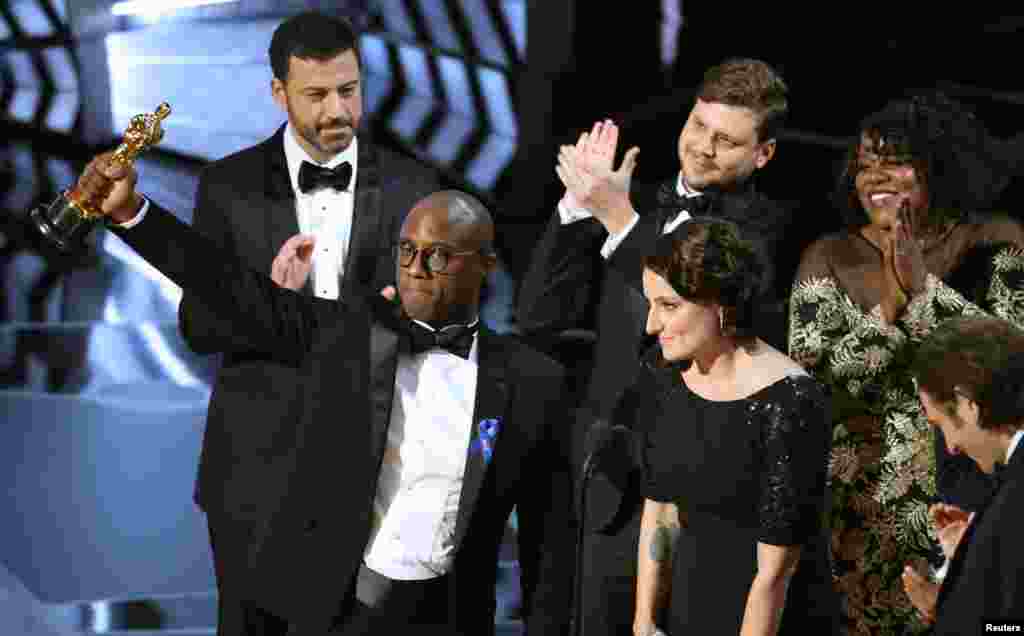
(316, 518)
(985, 581)
(246, 205)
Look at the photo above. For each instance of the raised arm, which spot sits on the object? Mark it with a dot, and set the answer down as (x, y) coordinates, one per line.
(561, 288)
(996, 267)
(277, 321)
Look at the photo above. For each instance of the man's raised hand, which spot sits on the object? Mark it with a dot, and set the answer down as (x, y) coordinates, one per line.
(294, 262)
(122, 202)
(586, 171)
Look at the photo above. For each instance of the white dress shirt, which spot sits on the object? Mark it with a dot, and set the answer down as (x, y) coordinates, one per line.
(420, 481)
(572, 214)
(325, 213)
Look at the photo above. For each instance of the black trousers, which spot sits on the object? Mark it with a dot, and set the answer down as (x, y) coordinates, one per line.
(236, 616)
(383, 606)
(377, 605)
(364, 620)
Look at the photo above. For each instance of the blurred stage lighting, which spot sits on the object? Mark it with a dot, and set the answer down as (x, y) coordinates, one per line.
(396, 18)
(500, 145)
(484, 32)
(26, 187)
(460, 117)
(442, 33)
(63, 112)
(419, 100)
(379, 80)
(31, 18)
(150, 8)
(446, 72)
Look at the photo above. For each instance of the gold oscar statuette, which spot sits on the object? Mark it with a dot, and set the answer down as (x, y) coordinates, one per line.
(71, 216)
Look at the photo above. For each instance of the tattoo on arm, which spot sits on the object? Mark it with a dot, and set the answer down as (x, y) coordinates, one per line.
(663, 541)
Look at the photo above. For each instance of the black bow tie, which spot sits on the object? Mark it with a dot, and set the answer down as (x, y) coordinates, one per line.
(312, 177)
(455, 339)
(671, 203)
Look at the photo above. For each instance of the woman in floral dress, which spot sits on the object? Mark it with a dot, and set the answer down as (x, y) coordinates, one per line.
(912, 255)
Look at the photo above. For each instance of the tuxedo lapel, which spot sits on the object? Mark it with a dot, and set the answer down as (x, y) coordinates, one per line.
(1013, 471)
(365, 210)
(959, 556)
(491, 402)
(384, 350)
(280, 215)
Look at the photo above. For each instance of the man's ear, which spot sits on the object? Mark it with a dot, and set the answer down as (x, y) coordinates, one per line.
(279, 93)
(490, 263)
(967, 410)
(765, 152)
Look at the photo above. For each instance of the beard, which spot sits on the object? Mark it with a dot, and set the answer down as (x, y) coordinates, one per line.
(312, 134)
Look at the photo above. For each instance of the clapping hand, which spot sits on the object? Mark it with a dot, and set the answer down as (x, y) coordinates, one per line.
(907, 255)
(923, 594)
(950, 524)
(586, 172)
(294, 262)
(903, 264)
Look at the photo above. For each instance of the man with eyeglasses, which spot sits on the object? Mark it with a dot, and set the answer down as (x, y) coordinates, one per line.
(420, 430)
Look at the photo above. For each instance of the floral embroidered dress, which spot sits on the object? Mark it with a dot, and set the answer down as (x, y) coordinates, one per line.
(882, 467)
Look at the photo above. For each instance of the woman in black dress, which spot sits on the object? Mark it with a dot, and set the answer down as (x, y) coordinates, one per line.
(732, 538)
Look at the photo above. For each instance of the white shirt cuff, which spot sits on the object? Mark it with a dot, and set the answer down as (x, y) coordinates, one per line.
(676, 222)
(940, 574)
(135, 220)
(614, 240)
(571, 215)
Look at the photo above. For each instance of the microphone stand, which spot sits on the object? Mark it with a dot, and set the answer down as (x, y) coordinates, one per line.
(603, 435)
(588, 470)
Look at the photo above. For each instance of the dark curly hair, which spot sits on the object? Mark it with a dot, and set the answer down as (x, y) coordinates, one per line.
(708, 260)
(960, 163)
(981, 357)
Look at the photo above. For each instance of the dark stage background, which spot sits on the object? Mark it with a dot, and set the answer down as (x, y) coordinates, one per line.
(103, 405)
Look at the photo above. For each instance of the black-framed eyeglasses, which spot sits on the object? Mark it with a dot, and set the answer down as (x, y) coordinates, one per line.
(436, 258)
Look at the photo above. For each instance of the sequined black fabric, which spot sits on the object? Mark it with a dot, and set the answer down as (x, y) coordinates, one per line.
(746, 472)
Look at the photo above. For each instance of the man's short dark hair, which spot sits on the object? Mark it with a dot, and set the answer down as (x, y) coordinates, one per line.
(310, 36)
(979, 357)
(751, 84)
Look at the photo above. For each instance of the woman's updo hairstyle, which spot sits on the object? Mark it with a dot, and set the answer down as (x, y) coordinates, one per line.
(707, 260)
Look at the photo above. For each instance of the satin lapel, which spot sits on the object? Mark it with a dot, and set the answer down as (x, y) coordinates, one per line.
(1013, 471)
(385, 345)
(959, 556)
(365, 210)
(491, 402)
(281, 218)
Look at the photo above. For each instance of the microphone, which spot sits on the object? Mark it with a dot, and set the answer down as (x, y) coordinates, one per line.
(605, 437)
